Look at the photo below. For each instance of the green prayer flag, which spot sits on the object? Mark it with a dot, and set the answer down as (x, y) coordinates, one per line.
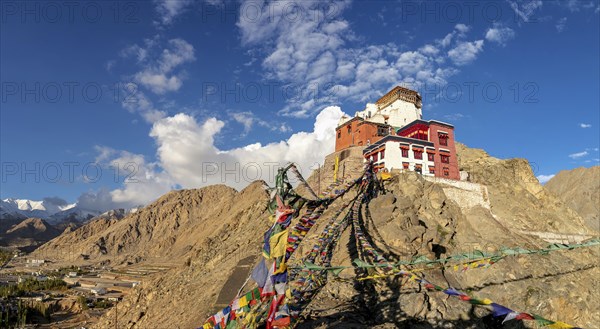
(232, 324)
(541, 321)
(360, 263)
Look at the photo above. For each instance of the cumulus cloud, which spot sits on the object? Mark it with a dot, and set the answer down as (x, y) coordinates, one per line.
(142, 181)
(462, 28)
(585, 125)
(187, 152)
(544, 178)
(465, 52)
(188, 158)
(499, 34)
(578, 155)
(313, 50)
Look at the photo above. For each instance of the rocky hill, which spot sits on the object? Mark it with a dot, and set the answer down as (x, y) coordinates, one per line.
(174, 227)
(214, 233)
(580, 190)
(28, 234)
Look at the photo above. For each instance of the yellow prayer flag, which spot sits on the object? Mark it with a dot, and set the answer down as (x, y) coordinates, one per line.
(243, 301)
(486, 301)
(282, 268)
(278, 244)
(560, 324)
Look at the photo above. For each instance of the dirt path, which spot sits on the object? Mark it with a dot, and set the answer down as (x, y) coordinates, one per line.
(235, 281)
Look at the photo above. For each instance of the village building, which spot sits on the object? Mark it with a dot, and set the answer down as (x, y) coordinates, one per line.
(395, 136)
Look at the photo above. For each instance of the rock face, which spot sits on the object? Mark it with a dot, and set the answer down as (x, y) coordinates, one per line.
(170, 229)
(212, 231)
(580, 190)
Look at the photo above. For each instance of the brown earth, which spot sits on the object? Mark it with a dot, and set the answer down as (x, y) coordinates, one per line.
(211, 231)
(580, 190)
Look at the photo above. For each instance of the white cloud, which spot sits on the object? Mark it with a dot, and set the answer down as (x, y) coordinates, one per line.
(313, 50)
(525, 9)
(187, 152)
(188, 157)
(169, 9)
(465, 52)
(248, 120)
(585, 125)
(244, 118)
(577, 5)
(136, 51)
(499, 34)
(157, 76)
(462, 28)
(561, 24)
(158, 83)
(137, 102)
(454, 116)
(143, 181)
(578, 155)
(544, 178)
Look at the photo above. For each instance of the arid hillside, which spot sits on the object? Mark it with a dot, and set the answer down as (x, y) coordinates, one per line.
(580, 190)
(214, 236)
(28, 234)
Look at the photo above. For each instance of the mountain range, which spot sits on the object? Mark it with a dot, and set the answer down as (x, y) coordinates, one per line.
(52, 210)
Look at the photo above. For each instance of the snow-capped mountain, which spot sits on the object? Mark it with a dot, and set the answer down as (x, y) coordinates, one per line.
(53, 210)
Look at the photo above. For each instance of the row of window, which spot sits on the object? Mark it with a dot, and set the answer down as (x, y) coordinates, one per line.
(418, 154)
(419, 169)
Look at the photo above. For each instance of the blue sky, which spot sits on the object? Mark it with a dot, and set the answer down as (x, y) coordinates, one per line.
(115, 103)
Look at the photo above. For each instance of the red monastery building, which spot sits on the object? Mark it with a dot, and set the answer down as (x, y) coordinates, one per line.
(395, 136)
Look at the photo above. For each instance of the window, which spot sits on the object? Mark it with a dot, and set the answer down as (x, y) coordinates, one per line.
(404, 153)
(430, 157)
(375, 157)
(443, 139)
(339, 134)
(382, 156)
(405, 165)
(432, 170)
(418, 154)
(445, 158)
(349, 129)
(446, 171)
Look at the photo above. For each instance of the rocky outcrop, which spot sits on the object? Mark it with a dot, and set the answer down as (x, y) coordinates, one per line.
(580, 190)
